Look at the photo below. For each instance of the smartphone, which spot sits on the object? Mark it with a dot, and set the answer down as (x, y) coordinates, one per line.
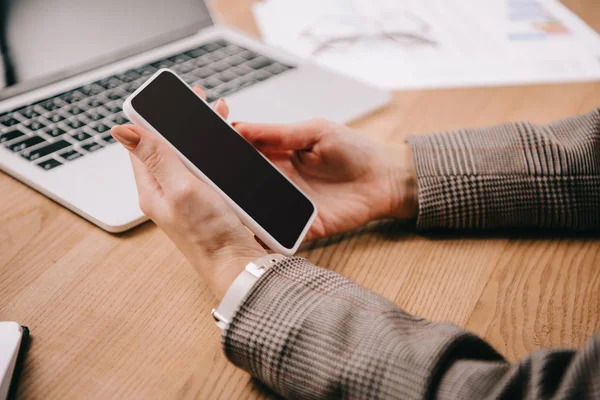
(264, 199)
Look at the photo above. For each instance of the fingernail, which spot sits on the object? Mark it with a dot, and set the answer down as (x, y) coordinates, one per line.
(219, 102)
(126, 136)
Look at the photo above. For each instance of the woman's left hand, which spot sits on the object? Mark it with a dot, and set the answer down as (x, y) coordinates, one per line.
(190, 212)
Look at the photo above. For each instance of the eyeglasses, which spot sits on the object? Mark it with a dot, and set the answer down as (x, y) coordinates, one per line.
(344, 31)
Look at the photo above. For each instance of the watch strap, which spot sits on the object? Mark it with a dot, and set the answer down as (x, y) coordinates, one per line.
(224, 313)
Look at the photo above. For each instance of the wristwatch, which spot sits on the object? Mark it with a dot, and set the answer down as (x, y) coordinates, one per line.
(223, 314)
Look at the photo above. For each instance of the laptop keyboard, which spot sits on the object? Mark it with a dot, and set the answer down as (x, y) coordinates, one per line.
(70, 125)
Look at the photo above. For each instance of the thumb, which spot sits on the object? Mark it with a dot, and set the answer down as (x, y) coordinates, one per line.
(276, 137)
(158, 157)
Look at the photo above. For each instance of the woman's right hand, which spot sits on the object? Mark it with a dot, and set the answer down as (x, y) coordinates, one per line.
(351, 178)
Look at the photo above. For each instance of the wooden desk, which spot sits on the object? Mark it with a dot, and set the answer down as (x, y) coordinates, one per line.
(124, 316)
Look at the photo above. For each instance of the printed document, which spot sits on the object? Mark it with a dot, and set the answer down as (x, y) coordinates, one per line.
(406, 44)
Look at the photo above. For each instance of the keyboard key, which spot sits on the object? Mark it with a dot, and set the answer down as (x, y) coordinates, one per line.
(74, 110)
(146, 70)
(277, 68)
(116, 95)
(29, 112)
(92, 146)
(183, 68)
(55, 117)
(49, 164)
(162, 64)
(226, 76)
(73, 97)
(34, 125)
(220, 67)
(132, 87)
(221, 91)
(178, 59)
(242, 70)
(91, 90)
(24, 144)
(33, 155)
(217, 55)
(195, 53)
(210, 83)
(203, 73)
(201, 62)
(233, 49)
(108, 138)
(128, 76)
(95, 115)
(210, 47)
(221, 42)
(12, 135)
(80, 136)
(248, 55)
(52, 104)
(100, 128)
(8, 120)
(190, 79)
(245, 81)
(54, 132)
(109, 83)
(74, 123)
(120, 119)
(91, 103)
(260, 62)
(71, 155)
(113, 107)
(262, 75)
(235, 60)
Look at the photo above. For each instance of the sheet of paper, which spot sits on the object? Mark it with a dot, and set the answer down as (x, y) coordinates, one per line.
(403, 44)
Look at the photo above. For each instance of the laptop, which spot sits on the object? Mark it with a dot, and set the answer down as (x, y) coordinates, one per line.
(67, 67)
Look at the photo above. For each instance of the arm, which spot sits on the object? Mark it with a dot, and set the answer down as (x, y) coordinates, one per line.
(513, 175)
(310, 333)
(307, 332)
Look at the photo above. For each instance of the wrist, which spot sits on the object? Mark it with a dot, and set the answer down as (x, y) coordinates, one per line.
(227, 263)
(402, 177)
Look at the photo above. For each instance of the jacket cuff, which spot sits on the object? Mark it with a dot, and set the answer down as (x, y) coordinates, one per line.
(512, 175)
(451, 187)
(272, 313)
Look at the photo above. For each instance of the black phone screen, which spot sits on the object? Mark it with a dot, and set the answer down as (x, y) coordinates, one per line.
(225, 157)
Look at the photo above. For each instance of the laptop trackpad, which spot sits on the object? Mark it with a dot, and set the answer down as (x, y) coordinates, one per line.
(321, 93)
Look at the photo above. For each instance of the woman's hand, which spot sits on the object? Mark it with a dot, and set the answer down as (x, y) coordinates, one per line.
(189, 211)
(352, 179)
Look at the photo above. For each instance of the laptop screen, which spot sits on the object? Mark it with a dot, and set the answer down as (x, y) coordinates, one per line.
(43, 41)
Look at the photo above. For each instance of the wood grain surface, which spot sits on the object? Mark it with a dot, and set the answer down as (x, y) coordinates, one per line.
(124, 316)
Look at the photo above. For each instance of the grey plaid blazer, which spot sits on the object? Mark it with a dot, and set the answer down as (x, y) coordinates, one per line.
(310, 333)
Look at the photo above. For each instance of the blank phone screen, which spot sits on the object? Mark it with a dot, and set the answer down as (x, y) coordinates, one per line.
(226, 158)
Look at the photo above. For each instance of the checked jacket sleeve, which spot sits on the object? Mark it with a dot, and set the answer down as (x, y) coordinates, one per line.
(517, 175)
(310, 333)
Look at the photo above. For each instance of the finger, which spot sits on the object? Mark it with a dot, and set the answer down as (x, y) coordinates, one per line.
(158, 157)
(274, 137)
(147, 186)
(149, 191)
(264, 246)
(222, 108)
(199, 91)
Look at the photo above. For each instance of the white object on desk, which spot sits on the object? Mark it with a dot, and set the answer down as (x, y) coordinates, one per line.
(10, 341)
(412, 44)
